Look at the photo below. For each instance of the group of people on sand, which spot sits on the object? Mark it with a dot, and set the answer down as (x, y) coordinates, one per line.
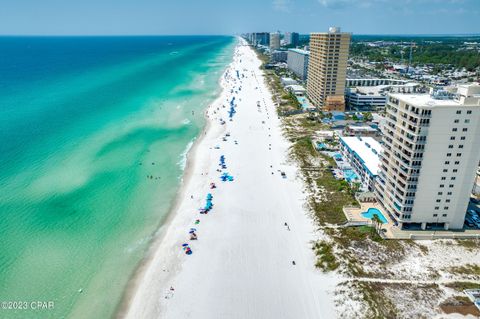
(232, 81)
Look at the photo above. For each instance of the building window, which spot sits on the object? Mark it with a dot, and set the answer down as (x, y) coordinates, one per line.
(459, 154)
(457, 162)
(456, 121)
(436, 207)
(435, 215)
(454, 129)
(450, 186)
(464, 129)
(440, 193)
(469, 112)
(449, 154)
(462, 138)
(442, 186)
(438, 200)
(443, 178)
(449, 193)
(447, 201)
(445, 170)
(446, 207)
(459, 112)
(452, 178)
(444, 215)
(467, 121)
(450, 146)
(447, 162)
(455, 170)
(452, 138)
(460, 146)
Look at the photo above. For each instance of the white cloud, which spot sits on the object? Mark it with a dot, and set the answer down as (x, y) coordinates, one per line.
(281, 5)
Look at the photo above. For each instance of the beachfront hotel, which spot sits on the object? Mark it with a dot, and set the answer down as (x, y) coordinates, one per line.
(429, 158)
(297, 61)
(274, 41)
(327, 69)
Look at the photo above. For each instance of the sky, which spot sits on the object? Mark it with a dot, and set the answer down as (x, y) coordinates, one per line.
(158, 17)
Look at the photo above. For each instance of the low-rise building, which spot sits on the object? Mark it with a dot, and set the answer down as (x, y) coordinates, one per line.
(360, 130)
(297, 61)
(279, 56)
(288, 81)
(298, 90)
(363, 155)
(368, 98)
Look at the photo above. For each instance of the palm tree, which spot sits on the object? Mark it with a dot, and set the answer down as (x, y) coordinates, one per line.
(377, 222)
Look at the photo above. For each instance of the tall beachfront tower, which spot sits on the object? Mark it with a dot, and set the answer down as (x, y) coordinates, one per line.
(292, 38)
(430, 154)
(327, 69)
(274, 41)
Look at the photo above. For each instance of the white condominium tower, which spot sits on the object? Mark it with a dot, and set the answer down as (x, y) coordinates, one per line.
(430, 154)
(275, 41)
(327, 69)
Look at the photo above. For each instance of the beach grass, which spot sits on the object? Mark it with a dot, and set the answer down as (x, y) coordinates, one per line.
(326, 260)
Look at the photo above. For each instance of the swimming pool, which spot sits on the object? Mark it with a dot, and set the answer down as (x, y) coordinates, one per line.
(350, 175)
(374, 211)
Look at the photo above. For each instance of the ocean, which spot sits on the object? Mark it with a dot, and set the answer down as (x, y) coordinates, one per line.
(93, 137)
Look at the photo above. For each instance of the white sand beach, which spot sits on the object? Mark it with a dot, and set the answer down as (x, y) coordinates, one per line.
(241, 265)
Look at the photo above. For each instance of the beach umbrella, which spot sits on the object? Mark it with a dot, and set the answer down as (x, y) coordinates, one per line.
(185, 245)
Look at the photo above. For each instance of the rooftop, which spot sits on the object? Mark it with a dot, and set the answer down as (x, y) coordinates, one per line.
(300, 51)
(468, 95)
(367, 149)
(364, 128)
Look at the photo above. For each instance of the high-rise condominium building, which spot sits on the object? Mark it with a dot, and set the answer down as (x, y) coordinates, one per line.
(297, 61)
(429, 158)
(327, 69)
(274, 41)
(292, 38)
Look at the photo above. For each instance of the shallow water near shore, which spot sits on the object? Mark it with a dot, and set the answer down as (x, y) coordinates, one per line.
(93, 132)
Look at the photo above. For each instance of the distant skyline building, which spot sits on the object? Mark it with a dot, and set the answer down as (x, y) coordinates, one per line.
(259, 38)
(327, 69)
(274, 41)
(430, 156)
(292, 38)
(297, 61)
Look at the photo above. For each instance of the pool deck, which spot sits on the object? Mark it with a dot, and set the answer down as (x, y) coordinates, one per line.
(354, 214)
(390, 231)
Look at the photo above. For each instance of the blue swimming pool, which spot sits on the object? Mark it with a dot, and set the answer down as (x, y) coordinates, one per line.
(373, 211)
(350, 175)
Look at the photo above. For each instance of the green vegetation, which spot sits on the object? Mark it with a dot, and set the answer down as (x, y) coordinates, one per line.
(468, 269)
(287, 100)
(469, 243)
(379, 306)
(326, 260)
(426, 50)
(461, 286)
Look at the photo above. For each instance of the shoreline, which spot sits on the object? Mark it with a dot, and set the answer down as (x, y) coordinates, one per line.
(247, 262)
(160, 234)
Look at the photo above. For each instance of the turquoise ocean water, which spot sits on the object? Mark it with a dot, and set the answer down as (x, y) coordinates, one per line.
(92, 135)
